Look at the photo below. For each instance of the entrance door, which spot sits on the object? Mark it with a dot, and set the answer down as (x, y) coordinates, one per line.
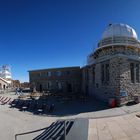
(69, 87)
(86, 90)
(40, 88)
(4, 87)
(0, 86)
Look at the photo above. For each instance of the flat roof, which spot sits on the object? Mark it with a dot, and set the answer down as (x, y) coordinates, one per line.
(4, 80)
(74, 67)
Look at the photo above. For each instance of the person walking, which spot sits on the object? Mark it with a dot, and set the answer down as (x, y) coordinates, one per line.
(17, 89)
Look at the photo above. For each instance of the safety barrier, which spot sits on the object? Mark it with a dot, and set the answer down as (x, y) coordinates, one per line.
(58, 129)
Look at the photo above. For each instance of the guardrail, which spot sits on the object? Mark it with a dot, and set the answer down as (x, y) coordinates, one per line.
(25, 133)
(115, 40)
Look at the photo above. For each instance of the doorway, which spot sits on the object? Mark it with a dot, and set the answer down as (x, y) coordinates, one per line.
(4, 87)
(69, 87)
(40, 88)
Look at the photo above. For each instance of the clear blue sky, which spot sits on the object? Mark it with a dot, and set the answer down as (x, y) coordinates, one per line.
(37, 34)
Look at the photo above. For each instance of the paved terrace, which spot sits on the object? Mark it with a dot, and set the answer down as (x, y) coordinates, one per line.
(107, 124)
(125, 127)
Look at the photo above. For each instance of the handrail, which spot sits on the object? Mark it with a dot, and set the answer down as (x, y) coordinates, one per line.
(19, 134)
(115, 40)
(16, 135)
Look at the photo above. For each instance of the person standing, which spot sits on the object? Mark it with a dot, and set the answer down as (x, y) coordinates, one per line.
(17, 89)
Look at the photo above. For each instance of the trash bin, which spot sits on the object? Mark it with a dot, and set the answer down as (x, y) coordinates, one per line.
(112, 102)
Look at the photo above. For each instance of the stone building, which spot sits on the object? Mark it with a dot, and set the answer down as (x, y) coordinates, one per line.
(112, 69)
(4, 84)
(15, 83)
(5, 73)
(25, 85)
(64, 80)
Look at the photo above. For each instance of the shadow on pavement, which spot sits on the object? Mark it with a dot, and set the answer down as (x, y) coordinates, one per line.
(77, 107)
(61, 107)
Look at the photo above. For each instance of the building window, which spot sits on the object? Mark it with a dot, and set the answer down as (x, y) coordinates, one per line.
(137, 72)
(69, 87)
(93, 72)
(49, 73)
(59, 73)
(67, 72)
(46, 74)
(39, 74)
(59, 85)
(102, 73)
(107, 72)
(105, 76)
(86, 75)
(48, 85)
(132, 72)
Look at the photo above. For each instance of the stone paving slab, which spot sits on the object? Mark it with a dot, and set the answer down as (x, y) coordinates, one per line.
(125, 127)
(79, 130)
(102, 124)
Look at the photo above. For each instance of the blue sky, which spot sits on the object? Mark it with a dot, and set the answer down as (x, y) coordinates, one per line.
(37, 34)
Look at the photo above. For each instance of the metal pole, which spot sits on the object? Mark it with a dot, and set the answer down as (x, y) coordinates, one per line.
(15, 137)
(64, 130)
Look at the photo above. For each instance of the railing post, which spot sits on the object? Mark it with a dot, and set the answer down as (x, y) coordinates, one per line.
(15, 137)
(64, 130)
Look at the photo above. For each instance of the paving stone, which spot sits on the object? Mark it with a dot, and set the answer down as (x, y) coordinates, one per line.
(92, 133)
(126, 126)
(135, 137)
(127, 138)
(115, 130)
(103, 130)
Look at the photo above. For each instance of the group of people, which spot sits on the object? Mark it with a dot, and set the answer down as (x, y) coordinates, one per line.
(18, 91)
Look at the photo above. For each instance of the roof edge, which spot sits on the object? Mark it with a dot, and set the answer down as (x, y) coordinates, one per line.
(76, 67)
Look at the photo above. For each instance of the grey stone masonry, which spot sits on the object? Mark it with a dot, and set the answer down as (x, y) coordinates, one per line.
(118, 79)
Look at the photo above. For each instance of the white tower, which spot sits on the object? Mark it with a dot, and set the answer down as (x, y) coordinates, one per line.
(6, 72)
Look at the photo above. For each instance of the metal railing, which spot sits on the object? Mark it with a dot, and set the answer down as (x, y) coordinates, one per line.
(115, 40)
(26, 133)
(20, 134)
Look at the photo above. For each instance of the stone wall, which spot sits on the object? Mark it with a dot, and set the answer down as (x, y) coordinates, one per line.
(85, 80)
(119, 59)
(125, 78)
(69, 78)
(105, 90)
(3, 85)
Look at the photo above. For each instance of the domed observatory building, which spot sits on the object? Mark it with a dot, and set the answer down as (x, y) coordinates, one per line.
(113, 69)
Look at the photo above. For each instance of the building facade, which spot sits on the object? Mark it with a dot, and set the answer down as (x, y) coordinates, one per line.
(5, 74)
(15, 83)
(3, 84)
(65, 80)
(25, 85)
(113, 68)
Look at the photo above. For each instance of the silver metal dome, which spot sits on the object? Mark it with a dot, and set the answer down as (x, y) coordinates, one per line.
(119, 30)
(119, 34)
